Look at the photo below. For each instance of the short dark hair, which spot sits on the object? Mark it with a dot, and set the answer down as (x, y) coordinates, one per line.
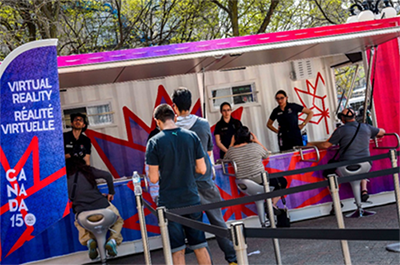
(281, 92)
(182, 98)
(83, 116)
(164, 112)
(242, 135)
(223, 104)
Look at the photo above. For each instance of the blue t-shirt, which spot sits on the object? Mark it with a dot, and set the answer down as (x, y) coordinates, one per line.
(359, 148)
(175, 151)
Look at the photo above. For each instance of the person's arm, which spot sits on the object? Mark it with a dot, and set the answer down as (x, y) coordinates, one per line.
(380, 133)
(321, 145)
(86, 158)
(271, 127)
(255, 140)
(309, 113)
(102, 174)
(201, 167)
(219, 143)
(154, 174)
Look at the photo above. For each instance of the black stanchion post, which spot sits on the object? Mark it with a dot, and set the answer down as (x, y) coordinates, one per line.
(142, 221)
(271, 218)
(334, 188)
(396, 246)
(239, 242)
(162, 223)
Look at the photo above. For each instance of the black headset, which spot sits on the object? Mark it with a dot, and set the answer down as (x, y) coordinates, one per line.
(350, 114)
(83, 116)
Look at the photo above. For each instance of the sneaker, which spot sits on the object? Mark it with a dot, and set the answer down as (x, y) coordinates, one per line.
(111, 247)
(92, 246)
(233, 263)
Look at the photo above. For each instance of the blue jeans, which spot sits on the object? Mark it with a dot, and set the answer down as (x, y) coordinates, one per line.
(209, 193)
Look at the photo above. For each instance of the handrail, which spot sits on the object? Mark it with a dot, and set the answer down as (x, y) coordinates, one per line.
(222, 162)
(301, 148)
(388, 147)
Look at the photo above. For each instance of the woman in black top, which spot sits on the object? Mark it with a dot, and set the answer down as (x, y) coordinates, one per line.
(85, 196)
(225, 129)
(289, 130)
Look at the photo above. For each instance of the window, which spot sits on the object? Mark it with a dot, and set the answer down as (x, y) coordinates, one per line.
(236, 95)
(97, 115)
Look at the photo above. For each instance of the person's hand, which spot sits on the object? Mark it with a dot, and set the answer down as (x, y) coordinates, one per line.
(253, 137)
(110, 197)
(301, 126)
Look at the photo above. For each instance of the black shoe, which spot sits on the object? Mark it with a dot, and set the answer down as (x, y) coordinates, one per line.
(332, 212)
(364, 196)
(277, 211)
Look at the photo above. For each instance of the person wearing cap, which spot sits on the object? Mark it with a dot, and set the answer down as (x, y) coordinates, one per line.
(289, 129)
(359, 148)
(75, 143)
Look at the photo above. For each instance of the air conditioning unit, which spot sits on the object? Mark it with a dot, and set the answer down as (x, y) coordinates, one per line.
(302, 69)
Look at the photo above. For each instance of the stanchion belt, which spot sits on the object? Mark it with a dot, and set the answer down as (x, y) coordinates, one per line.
(327, 234)
(278, 193)
(328, 166)
(215, 230)
(148, 206)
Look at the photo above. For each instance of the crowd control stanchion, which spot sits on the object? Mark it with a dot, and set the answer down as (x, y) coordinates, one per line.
(396, 246)
(162, 223)
(142, 221)
(239, 242)
(271, 218)
(334, 187)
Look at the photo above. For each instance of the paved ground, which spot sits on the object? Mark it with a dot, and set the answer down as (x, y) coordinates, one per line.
(308, 252)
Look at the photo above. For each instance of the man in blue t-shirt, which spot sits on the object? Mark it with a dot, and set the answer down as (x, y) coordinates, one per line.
(174, 156)
(359, 148)
(209, 193)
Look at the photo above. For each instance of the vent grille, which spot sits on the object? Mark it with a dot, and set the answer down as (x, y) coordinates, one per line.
(303, 69)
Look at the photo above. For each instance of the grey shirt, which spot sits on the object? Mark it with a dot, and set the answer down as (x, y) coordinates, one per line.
(248, 159)
(202, 128)
(359, 148)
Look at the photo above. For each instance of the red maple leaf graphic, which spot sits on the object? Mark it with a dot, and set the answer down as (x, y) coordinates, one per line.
(318, 102)
(38, 184)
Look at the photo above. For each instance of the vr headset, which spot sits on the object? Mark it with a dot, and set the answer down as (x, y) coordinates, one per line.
(83, 116)
(350, 114)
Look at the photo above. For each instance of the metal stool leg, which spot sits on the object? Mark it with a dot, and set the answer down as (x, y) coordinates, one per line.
(360, 212)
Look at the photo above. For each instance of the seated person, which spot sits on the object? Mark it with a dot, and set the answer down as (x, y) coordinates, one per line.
(248, 152)
(85, 196)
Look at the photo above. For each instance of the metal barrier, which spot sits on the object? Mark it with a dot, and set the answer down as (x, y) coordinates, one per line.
(334, 188)
(260, 203)
(301, 148)
(139, 206)
(388, 147)
(238, 230)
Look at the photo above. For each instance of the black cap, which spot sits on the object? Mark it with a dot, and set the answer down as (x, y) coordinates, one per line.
(83, 116)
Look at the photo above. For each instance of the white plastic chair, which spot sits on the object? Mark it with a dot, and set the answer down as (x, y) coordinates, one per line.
(351, 170)
(98, 222)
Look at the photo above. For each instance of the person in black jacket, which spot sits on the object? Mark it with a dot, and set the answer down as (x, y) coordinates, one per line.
(289, 129)
(85, 196)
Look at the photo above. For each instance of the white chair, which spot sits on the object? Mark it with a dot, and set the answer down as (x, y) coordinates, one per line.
(351, 170)
(250, 188)
(98, 222)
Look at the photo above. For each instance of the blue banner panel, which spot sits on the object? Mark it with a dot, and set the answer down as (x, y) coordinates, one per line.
(33, 185)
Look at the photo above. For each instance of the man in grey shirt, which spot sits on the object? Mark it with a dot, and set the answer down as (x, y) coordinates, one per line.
(182, 99)
(359, 148)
